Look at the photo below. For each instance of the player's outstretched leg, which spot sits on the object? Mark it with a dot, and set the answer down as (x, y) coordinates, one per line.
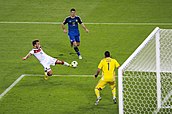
(63, 63)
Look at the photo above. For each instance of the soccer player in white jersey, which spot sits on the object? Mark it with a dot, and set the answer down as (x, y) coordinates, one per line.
(44, 59)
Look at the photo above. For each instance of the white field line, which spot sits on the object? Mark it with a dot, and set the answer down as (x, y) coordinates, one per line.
(11, 86)
(23, 75)
(62, 75)
(56, 23)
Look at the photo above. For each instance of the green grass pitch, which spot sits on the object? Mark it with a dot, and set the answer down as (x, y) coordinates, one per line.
(69, 94)
(62, 94)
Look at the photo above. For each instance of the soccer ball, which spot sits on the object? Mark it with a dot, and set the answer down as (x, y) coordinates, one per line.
(74, 64)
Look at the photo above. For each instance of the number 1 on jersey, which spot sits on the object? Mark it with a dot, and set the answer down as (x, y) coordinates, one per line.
(108, 66)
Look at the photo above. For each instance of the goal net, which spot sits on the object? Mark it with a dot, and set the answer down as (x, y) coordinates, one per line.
(145, 78)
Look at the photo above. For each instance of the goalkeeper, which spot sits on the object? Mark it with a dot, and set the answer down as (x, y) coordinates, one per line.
(108, 66)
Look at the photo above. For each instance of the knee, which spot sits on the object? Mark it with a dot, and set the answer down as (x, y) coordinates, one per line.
(99, 89)
(74, 44)
(49, 73)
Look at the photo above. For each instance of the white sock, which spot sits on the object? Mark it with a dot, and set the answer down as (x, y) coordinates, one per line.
(66, 64)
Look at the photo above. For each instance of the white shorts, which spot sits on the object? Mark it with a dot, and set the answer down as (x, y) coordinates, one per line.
(47, 62)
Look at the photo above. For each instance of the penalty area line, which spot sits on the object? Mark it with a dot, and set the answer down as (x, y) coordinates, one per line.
(11, 86)
(23, 75)
(77, 75)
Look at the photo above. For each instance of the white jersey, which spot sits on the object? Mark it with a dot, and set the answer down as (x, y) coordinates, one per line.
(39, 54)
(43, 58)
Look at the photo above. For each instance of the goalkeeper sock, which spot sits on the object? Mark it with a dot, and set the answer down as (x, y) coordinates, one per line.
(77, 50)
(97, 92)
(114, 92)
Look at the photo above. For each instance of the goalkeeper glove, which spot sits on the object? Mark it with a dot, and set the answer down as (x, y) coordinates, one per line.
(96, 75)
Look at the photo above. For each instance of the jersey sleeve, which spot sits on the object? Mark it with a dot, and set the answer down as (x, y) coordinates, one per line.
(31, 52)
(65, 21)
(100, 64)
(79, 20)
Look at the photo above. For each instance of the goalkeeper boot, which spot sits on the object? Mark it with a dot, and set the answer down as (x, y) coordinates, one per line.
(114, 100)
(97, 101)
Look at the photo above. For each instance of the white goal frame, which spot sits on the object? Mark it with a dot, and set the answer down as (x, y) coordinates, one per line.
(156, 33)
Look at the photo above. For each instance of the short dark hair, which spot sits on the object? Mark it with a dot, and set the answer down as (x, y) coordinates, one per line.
(34, 42)
(107, 54)
(73, 9)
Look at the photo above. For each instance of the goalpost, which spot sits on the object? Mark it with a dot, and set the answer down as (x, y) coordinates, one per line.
(145, 78)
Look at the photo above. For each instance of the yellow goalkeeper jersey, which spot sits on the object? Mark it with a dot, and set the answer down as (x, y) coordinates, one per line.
(108, 66)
